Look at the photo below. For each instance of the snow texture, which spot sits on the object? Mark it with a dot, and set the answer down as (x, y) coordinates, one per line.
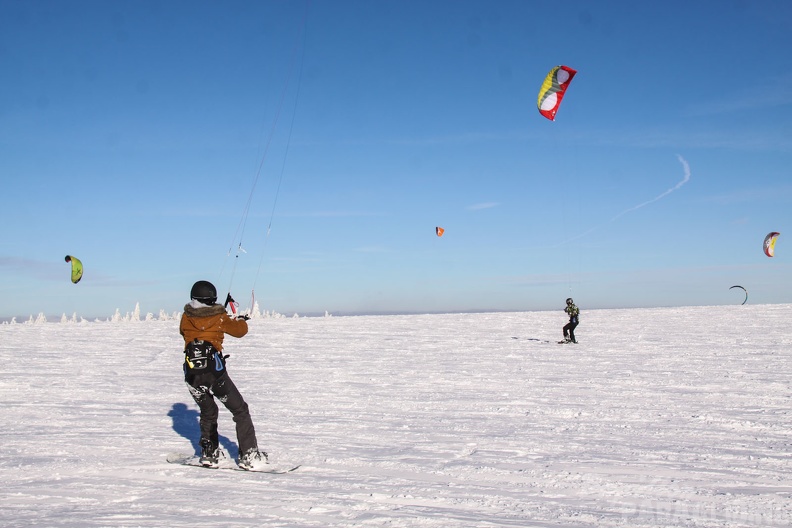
(659, 417)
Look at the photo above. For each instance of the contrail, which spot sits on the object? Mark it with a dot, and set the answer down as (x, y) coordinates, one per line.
(685, 166)
(686, 179)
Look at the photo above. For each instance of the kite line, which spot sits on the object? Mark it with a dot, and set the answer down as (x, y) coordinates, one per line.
(241, 227)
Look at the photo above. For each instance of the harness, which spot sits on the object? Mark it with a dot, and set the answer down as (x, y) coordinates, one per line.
(201, 357)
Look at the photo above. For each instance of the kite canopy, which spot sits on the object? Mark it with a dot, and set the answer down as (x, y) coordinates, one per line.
(76, 268)
(769, 243)
(743, 289)
(439, 231)
(553, 89)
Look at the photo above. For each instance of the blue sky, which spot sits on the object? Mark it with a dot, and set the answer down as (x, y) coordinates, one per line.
(134, 135)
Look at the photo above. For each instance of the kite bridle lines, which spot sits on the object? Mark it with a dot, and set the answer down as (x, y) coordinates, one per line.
(241, 227)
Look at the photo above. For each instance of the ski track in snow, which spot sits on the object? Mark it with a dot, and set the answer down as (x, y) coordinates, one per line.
(659, 417)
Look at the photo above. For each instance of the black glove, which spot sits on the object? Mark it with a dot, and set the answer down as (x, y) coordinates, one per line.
(243, 317)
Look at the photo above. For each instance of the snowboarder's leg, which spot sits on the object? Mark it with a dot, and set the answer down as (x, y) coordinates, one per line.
(567, 331)
(227, 392)
(209, 412)
(572, 327)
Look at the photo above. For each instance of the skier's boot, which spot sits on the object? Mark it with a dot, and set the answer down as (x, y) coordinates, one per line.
(210, 454)
(252, 459)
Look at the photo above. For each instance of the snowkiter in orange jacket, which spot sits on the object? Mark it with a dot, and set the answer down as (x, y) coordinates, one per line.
(203, 325)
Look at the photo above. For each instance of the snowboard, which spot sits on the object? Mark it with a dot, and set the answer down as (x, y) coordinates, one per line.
(227, 464)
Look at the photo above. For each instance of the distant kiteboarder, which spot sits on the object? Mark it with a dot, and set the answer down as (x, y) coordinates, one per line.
(569, 328)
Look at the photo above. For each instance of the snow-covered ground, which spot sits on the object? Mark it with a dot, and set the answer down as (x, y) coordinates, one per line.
(659, 417)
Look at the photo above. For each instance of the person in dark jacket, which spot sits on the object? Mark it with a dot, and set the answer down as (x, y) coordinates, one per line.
(203, 326)
(569, 328)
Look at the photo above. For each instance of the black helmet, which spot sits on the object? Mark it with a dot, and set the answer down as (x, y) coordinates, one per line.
(204, 292)
(570, 301)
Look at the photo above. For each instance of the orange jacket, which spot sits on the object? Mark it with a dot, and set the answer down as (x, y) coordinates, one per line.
(209, 323)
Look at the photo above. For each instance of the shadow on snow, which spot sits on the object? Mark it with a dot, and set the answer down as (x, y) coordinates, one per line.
(187, 423)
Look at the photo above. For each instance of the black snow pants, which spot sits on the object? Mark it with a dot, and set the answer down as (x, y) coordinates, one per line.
(569, 330)
(204, 388)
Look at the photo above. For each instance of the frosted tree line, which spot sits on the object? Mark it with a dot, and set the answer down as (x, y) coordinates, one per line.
(136, 316)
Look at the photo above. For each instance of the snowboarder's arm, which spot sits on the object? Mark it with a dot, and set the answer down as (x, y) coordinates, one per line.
(235, 327)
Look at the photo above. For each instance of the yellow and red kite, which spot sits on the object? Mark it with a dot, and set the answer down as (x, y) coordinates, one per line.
(553, 89)
(769, 243)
